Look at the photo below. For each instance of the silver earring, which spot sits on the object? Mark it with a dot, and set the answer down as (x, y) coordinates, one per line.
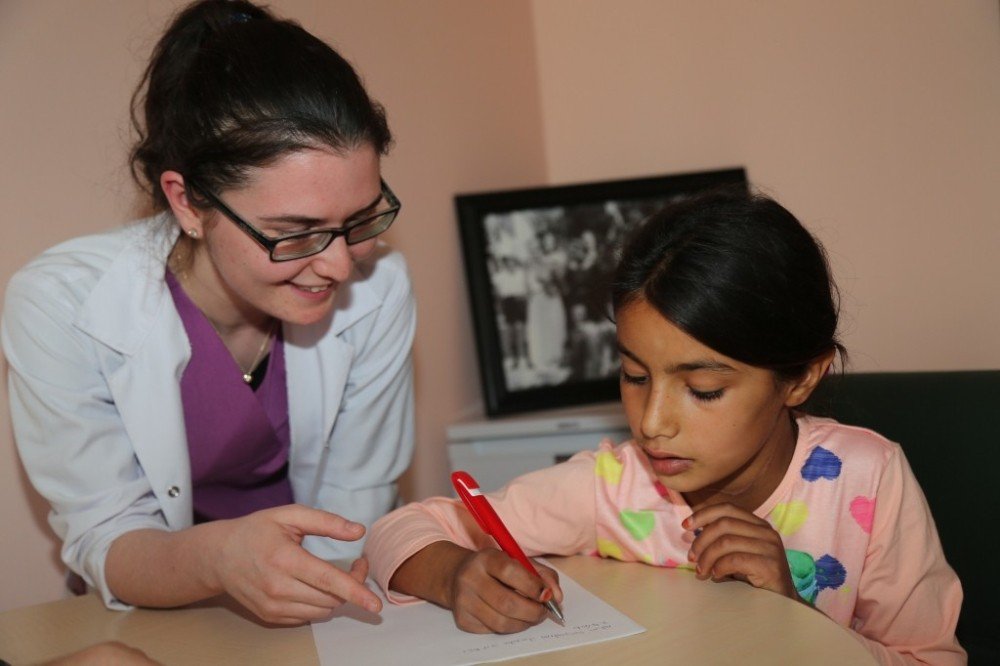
(193, 233)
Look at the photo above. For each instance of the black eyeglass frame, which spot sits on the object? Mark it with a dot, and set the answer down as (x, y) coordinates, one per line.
(270, 244)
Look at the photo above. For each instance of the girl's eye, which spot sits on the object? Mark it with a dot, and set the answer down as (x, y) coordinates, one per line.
(633, 379)
(706, 396)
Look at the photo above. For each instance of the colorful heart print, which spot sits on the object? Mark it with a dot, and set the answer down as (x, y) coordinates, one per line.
(821, 464)
(608, 468)
(863, 511)
(608, 548)
(638, 523)
(788, 517)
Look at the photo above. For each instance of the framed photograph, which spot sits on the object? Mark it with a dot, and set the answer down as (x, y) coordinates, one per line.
(538, 264)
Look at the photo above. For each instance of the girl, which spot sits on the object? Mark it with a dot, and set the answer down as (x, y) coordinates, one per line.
(726, 322)
(177, 385)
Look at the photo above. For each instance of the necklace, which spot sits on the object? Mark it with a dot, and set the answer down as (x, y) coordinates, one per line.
(248, 372)
(250, 369)
(177, 261)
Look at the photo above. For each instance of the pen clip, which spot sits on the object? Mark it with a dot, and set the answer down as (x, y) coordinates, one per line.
(467, 488)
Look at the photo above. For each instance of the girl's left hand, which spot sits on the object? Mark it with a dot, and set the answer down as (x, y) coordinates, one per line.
(735, 543)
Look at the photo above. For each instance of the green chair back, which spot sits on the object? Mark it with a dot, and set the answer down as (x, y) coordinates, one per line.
(948, 424)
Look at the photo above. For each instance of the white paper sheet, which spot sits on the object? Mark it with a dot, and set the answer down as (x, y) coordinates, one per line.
(424, 634)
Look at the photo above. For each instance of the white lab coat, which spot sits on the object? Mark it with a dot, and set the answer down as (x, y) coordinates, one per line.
(96, 349)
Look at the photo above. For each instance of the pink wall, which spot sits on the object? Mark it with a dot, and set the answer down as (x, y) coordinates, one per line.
(877, 122)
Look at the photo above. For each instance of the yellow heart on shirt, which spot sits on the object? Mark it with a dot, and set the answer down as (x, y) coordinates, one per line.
(608, 468)
(788, 517)
(608, 548)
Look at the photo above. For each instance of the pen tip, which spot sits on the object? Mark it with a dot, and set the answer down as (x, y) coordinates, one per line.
(555, 610)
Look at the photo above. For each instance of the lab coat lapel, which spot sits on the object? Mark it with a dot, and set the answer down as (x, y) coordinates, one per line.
(147, 390)
(130, 311)
(317, 364)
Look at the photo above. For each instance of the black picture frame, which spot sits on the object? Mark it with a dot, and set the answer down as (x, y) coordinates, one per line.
(545, 254)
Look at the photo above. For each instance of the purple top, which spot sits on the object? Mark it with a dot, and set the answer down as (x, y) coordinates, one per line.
(238, 437)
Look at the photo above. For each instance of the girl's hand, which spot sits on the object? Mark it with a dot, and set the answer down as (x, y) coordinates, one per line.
(486, 590)
(263, 565)
(734, 543)
(491, 592)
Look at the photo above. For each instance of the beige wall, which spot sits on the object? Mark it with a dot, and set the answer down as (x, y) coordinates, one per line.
(876, 122)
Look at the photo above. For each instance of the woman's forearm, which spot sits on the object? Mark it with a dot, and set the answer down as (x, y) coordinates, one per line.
(164, 569)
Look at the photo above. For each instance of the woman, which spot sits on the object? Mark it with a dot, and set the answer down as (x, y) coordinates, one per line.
(176, 385)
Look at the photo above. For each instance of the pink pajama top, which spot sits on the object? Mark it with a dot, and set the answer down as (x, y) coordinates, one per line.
(859, 537)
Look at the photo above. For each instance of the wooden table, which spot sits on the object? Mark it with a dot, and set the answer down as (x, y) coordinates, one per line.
(687, 622)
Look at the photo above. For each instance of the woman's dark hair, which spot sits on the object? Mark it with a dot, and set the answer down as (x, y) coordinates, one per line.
(737, 272)
(230, 87)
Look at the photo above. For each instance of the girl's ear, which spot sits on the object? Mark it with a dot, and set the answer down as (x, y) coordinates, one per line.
(188, 217)
(799, 390)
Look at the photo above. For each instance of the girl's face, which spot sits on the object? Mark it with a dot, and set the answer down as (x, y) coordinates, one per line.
(307, 189)
(712, 428)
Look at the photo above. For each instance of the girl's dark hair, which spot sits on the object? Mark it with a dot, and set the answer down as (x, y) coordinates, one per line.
(737, 272)
(230, 87)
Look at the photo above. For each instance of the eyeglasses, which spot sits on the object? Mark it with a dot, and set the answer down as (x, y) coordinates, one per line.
(306, 243)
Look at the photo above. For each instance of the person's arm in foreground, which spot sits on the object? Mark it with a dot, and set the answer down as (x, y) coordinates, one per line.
(434, 550)
(257, 559)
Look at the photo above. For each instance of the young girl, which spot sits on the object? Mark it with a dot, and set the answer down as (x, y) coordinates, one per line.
(218, 398)
(726, 322)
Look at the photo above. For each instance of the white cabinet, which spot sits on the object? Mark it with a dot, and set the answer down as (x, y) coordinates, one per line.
(496, 450)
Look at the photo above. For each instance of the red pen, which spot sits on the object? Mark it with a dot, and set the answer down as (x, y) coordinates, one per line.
(490, 523)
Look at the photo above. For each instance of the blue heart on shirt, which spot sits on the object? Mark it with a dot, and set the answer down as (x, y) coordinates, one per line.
(830, 573)
(821, 464)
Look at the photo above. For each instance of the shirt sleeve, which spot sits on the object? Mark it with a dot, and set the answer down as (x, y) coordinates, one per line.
(908, 596)
(548, 512)
(69, 434)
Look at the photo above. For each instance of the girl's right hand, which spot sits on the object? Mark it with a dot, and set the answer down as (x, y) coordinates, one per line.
(490, 592)
(263, 565)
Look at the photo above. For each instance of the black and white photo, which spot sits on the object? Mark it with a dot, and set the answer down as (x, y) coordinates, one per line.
(538, 263)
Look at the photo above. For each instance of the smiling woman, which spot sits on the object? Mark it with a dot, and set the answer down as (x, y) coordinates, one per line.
(180, 387)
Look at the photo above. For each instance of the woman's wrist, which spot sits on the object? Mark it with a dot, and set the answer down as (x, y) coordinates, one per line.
(208, 545)
(165, 568)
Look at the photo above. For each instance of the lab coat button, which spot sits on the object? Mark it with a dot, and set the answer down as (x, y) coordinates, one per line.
(173, 491)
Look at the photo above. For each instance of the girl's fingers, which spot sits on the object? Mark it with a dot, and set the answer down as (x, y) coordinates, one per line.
(499, 593)
(513, 575)
(761, 571)
(729, 528)
(505, 611)
(551, 578)
(515, 603)
(729, 544)
(702, 517)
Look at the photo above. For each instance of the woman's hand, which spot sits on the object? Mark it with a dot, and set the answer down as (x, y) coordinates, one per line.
(487, 590)
(729, 542)
(263, 566)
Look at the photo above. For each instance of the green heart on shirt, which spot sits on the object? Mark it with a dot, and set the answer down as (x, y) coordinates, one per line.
(638, 523)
